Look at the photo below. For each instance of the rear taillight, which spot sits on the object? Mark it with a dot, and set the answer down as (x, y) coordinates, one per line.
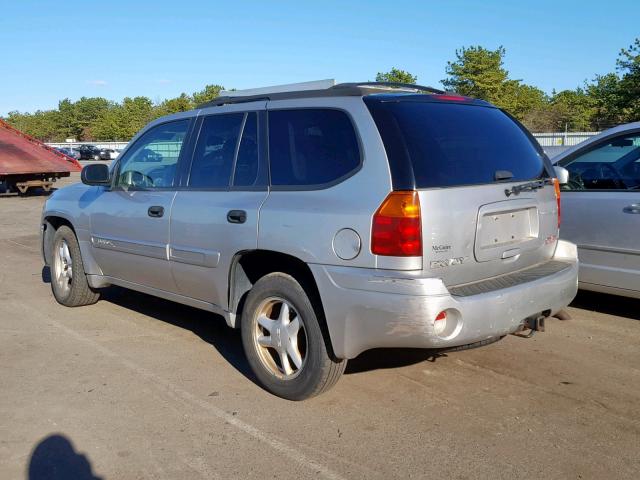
(556, 186)
(397, 229)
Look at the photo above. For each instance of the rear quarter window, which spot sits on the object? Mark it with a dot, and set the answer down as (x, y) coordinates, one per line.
(311, 147)
(433, 144)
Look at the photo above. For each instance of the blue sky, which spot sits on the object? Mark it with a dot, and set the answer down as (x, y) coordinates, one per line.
(157, 48)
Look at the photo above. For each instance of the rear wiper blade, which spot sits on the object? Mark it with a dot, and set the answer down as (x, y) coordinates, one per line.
(525, 187)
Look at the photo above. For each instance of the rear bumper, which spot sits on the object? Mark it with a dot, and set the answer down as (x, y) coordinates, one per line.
(367, 308)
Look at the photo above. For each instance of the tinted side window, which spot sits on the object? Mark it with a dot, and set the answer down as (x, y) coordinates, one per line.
(613, 165)
(311, 146)
(246, 171)
(215, 150)
(152, 160)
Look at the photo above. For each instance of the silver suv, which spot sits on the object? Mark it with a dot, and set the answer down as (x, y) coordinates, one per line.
(325, 220)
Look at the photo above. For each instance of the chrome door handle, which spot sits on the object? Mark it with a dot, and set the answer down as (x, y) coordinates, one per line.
(633, 208)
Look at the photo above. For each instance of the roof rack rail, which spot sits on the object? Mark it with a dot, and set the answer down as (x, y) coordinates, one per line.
(318, 88)
(289, 87)
(393, 85)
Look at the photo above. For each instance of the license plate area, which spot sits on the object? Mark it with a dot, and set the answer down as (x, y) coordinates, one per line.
(503, 228)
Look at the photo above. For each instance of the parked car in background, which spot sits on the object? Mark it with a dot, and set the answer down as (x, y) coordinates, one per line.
(601, 209)
(89, 152)
(366, 216)
(70, 152)
(108, 154)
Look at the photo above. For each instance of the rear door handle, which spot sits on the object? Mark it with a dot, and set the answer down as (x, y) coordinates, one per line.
(236, 216)
(633, 208)
(156, 211)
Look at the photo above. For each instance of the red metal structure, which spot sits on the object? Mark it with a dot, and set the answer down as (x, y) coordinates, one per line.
(26, 162)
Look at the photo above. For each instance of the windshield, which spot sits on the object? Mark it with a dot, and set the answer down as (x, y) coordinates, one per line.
(444, 144)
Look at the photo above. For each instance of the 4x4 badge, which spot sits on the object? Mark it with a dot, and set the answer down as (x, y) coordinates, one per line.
(446, 263)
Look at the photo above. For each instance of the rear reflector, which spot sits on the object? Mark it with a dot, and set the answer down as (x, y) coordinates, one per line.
(397, 228)
(556, 186)
(440, 323)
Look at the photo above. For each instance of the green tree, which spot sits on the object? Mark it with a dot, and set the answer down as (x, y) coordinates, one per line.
(136, 113)
(207, 94)
(75, 119)
(520, 99)
(477, 72)
(67, 125)
(110, 125)
(122, 121)
(18, 120)
(604, 92)
(574, 110)
(628, 65)
(39, 124)
(85, 112)
(396, 75)
(174, 105)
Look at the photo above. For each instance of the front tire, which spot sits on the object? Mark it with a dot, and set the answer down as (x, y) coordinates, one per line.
(283, 341)
(68, 280)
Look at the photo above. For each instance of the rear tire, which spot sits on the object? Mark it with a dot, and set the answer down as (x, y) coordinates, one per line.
(68, 280)
(283, 341)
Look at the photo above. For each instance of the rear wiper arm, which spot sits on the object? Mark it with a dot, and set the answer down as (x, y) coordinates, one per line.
(525, 187)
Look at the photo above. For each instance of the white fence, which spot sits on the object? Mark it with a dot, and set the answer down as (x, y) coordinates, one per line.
(562, 139)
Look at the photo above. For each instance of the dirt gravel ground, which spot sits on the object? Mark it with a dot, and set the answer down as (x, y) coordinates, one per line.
(136, 387)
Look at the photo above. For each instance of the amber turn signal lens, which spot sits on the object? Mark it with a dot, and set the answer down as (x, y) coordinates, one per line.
(556, 186)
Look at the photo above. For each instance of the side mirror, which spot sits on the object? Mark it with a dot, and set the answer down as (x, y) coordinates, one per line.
(562, 174)
(96, 174)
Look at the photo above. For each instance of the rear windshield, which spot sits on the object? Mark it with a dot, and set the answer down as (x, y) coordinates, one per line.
(431, 144)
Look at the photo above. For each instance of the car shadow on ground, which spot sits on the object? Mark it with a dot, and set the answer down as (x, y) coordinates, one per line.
(55, 458)
(387, 358)
(213, 329)
(210, 327)
(608, 304)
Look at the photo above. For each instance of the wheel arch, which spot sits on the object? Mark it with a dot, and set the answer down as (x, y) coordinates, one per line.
(249, 266)
(51, 222)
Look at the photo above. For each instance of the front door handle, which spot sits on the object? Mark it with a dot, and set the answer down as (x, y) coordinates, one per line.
(236, 216)
(633, 208)
(156, 211)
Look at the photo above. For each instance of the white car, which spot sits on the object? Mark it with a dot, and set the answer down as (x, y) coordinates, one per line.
(108, 154)
(601, 209)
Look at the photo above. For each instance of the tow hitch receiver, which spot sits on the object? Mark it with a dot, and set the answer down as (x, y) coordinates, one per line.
(533, 324)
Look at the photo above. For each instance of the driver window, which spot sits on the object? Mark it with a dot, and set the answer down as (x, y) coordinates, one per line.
(613, 165)
(152, 161)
